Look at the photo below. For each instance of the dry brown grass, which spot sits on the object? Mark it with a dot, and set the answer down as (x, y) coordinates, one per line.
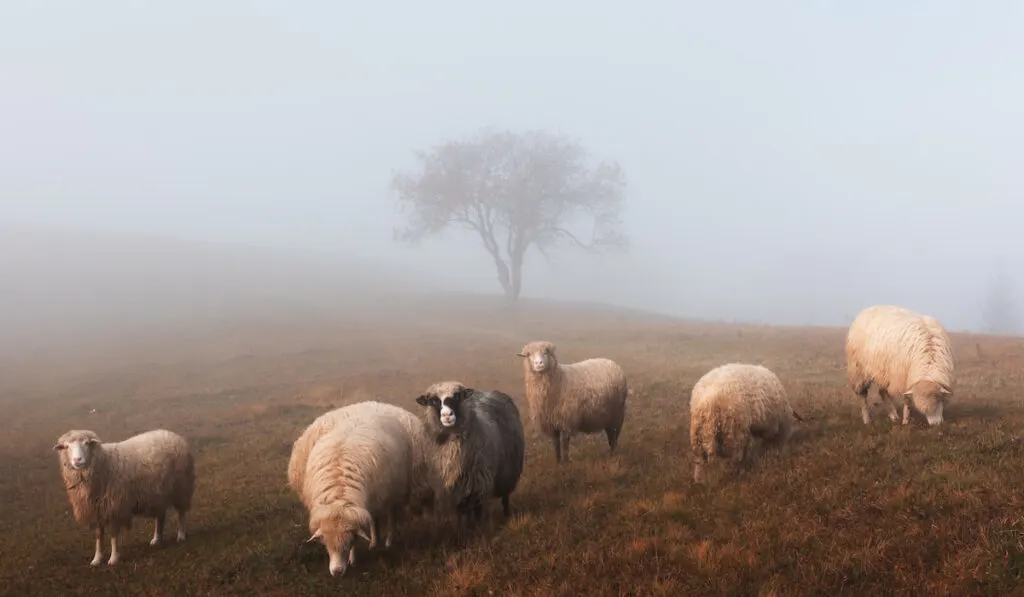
(844, 509)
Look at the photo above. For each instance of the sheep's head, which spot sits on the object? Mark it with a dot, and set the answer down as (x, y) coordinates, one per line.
(540, 356)
(929, 398)
(76, 448)
(443, 401)
(336, 529)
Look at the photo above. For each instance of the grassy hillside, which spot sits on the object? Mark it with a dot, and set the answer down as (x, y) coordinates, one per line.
(844, 510)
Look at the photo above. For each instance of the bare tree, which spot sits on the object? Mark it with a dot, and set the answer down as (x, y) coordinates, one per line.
(515, 191)
(1000, 310)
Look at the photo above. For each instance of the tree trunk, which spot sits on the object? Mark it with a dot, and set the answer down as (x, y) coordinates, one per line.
(510, 275)
(515, 285)
(505, 278)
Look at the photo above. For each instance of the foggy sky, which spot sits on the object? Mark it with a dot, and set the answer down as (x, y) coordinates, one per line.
(787, 162)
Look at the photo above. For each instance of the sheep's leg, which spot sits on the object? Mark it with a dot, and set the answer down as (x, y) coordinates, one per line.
(906, 411)
(566, 436)
(505, 507)
(741, 460)
(698, 468)
(158, 530)
(865, 412)
(890, 403)
(461, 513)
(613, 438)
(181, 526)
(115, 554)
(375, 530)
(557, 440)
(373, 534)
(97, 559)
(390, 529)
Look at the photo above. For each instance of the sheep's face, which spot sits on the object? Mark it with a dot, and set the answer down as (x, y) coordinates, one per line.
(540, 356)
(338, 532)
(76, 448)
(444, 399)
(929, 398)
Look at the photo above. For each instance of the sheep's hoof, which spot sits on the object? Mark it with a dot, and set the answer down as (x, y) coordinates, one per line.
(181, 536)
(96, 561)
(112, 561)
(154, 541)
(387, 542)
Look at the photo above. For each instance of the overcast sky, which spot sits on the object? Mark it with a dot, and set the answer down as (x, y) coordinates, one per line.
(787, 161)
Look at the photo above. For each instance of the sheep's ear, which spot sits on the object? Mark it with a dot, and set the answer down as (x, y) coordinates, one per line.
(944, 391)
(317, 535)
(363, 520)
(58, 447)
(908, 394)
(465, 393)
(423, 400)
(92, 441)
(363, 523)
(520, 354)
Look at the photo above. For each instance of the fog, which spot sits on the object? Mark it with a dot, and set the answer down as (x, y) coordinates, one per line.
(787, 163)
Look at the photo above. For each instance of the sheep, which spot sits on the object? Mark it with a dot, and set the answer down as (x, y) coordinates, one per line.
(481, 445)
(903, 353)
(357, 474)
(110, 483)
(584, 397)
(733, 405)
(426, 483)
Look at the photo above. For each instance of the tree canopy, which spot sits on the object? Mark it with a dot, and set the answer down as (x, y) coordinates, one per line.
(515, 191)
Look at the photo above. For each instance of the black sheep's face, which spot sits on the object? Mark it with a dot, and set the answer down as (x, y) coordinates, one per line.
(446, 407)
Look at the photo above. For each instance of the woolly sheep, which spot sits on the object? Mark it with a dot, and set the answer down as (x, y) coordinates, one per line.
(584, 397)
(904, 354)
(481, 446)
(733, 405)
(426, 483)
(356, 475)
(110, 483)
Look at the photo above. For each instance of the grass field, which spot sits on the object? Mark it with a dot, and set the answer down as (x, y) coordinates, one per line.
(844, 509)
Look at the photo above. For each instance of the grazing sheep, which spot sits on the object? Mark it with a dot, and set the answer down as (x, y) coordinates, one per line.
(733, 405)
(584, 397)
(481, 447)
(357, 474)
(426, 483)
(110, 483)
(904, 354)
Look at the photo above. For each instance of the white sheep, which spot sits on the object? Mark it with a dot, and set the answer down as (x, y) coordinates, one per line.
(356, 475)
(110, 483)
(426, 482)
(904, 354)
(481, 446)
(731, 407)
(584, 397)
